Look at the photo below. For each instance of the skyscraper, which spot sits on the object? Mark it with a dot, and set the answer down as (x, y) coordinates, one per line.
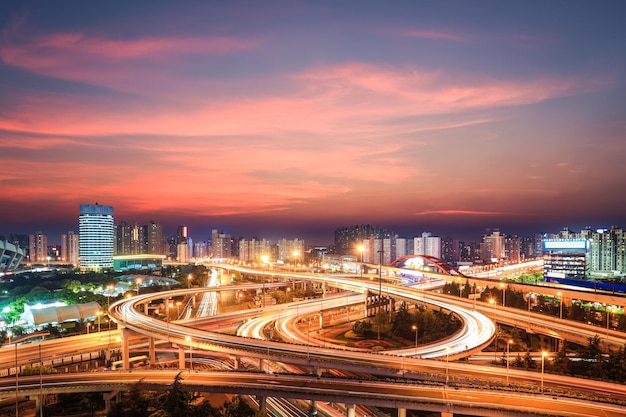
(96, 236)
(38, 248)
(69, 247)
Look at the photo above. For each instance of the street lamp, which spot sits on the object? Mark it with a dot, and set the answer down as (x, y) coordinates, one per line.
(361, 248)
(414, 327)
(99, 314)
(88, 326)
(508, 344)
(380, 287)
(503, 294)
(138, 282)
(188, 338)
(109, 289)
(543, 357)
(447, 362)
(189, 278)
(560, 305)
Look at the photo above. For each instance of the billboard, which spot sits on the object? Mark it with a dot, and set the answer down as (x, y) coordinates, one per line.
(565, 244)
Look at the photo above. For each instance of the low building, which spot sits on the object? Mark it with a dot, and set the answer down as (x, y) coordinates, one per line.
(137, 262)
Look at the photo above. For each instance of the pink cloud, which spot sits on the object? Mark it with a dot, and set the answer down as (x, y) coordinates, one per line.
(124, 64)
(461, 212)
(433, 34)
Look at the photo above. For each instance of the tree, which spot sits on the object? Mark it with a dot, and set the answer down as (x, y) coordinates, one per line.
(236, 408)
(176, 400)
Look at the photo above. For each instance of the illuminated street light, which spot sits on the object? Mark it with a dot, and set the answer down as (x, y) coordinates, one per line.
(189, 278)
(380, 287)
(109, 289)
(414, 327)
(361, 248)
(138, 282)
(508, 344)
(543, 357)
(88, 326)
(447, 362)
(188, 338)
(99, 314)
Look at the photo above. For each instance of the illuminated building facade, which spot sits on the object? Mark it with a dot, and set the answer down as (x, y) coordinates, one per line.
(96, 236)
(38, 248)
(69, 248)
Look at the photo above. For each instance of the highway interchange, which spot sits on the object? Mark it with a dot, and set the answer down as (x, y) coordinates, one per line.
(408, 365)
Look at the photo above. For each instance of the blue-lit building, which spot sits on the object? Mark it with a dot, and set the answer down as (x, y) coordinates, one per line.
(10, 256)
(96, 237)
(565, 258)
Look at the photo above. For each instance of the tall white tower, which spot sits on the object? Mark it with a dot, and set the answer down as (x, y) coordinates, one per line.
(96, 236)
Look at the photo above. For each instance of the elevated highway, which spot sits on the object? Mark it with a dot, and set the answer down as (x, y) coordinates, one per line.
(389, 394)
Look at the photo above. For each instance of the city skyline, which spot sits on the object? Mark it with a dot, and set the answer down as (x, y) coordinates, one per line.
(297, 119)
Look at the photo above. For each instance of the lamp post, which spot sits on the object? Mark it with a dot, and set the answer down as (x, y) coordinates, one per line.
(138, 282)
(608, 316)
(543, 357)
(265, 259)
(188, 338)
(189, 278)
(109, 289)
(17, 403)
(414, 327)
(99, 314)
(361, 248)
(88, 326)
(508, 351)
(380, 287)
(447, 362)
(503, 294)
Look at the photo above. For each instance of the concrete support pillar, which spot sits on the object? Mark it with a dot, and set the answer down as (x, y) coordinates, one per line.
(193, 301)
(152, 351)
(108, 396)
(145, 308)
(262, 402)
(313, 409)
(350, 410)
(236, 362)
(262, 364)
(401, 412)
(181, 357)
(125, 349)
(443, 414)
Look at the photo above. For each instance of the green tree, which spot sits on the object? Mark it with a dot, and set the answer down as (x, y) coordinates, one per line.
(237, 408)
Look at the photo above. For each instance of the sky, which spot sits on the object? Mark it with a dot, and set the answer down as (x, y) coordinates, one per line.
(294, 118)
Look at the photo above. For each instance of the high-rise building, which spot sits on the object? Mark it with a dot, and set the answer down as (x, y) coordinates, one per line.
(512, 249)
(492, 247)
(291, 250)
(69, 248)
(348, 239)
(220, 244)
(427, 245)
(123, 232)
(96, 236)
(154, 237)
(38, 248)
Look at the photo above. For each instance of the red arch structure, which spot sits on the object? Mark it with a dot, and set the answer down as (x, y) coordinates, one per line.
(439, 264)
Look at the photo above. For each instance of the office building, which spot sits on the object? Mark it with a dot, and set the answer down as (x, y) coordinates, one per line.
(96, 236)
(565, 258)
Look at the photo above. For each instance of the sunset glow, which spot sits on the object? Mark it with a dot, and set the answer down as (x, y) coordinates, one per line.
(294, 119)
